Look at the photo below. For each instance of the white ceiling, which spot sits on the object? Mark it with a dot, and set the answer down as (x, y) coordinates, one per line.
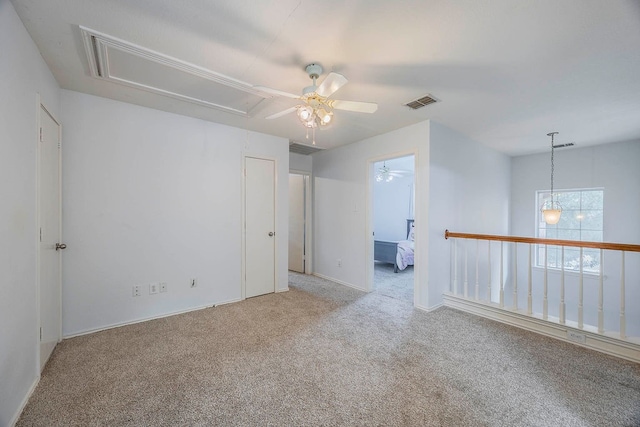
(506, 72)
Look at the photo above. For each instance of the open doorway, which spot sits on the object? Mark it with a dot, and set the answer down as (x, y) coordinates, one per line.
(393, 212)
(299, 223)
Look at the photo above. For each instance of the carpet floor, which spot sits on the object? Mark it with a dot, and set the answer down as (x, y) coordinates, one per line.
(395, 285)
(324, 354)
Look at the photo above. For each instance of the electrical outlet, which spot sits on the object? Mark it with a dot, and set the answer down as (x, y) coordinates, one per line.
(576, 337)
(137, 291)
(153, 288)
(163, 287)
(339, 263)
(194, 283)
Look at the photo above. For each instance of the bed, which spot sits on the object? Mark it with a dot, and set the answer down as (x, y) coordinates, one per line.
(398, 253)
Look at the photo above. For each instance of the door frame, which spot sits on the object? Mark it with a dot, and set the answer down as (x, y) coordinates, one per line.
(308, 221)
(369, 217)
(243, 258)
(40, 105)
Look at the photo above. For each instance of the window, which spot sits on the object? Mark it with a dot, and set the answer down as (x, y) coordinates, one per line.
(582, 212)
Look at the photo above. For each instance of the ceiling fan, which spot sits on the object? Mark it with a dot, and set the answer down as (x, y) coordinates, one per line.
(386, 174)
(316, 108)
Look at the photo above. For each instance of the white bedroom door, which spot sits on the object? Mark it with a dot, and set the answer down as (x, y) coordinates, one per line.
(49, 291)
(260, 238)
(296, 222)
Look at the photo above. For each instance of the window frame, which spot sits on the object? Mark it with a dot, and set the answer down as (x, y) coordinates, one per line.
(539, 257)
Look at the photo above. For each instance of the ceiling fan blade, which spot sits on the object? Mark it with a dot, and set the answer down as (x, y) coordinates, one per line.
(360, 107)
(281, 113)
(276, 92)
(330, 84)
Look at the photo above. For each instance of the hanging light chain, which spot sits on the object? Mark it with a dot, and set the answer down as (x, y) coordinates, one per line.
(552, 134)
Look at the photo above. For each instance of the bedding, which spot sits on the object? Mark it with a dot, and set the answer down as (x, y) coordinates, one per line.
(404, 255)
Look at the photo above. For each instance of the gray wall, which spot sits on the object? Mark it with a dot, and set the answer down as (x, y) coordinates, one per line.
(23, 75)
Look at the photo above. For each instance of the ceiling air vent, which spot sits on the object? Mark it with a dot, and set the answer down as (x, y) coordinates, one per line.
(422, 102)
(294, 147)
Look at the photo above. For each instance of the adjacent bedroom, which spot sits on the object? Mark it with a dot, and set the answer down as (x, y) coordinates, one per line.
(394, 226)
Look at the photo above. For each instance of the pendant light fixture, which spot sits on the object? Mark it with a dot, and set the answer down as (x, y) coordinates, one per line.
(551, 209)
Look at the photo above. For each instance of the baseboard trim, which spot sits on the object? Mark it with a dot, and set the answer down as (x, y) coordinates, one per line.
(428, 309)
(24, 402)
(145, 319)
(340, 282)
(594, 341)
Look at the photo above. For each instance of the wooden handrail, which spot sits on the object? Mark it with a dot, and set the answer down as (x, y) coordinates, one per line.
(574, 243)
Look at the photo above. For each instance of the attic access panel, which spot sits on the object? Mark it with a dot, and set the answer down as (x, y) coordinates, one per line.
(124, 63)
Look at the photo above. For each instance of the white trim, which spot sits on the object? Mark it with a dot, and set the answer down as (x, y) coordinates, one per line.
(143, 319)
(594, 341)
(282, 290)
(428, 309)
(24, 402)
(339, 282)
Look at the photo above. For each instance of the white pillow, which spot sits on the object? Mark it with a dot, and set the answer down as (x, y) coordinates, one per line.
(412, 232)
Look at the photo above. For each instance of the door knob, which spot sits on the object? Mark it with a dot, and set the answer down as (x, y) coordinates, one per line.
(271, 233)
(60, 246)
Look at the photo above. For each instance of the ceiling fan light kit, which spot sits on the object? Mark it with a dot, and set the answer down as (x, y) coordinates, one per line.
(316, 109)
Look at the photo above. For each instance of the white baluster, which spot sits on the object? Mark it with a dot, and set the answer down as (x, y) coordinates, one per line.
(529, 286)
(455, 267)
(515, 276)
(466, 269)
(489, 270)
(623, 322)
(477, 271)
(562, 304)
(545, 300)
(601, 296)
(581, 295)
(501, 274)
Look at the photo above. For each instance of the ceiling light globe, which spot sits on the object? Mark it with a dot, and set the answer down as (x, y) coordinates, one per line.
(304, 113)
(551, 216)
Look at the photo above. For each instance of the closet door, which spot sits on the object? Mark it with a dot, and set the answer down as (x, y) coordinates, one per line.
(260, 236)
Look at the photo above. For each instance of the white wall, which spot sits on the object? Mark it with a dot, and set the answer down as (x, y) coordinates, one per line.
(300, 163)
(154, 197)
(391, 202)
(468, 192)
(23, 74)
(615, 167)
(343, 185)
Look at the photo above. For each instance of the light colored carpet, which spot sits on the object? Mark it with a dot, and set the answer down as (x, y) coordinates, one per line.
(394, 285)
(324, 354)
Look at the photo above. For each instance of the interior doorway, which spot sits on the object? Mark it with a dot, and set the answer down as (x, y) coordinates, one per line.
(393, 213)
(300, 222)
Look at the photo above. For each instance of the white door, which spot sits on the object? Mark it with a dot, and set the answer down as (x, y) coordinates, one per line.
(50, 233)
(259, 227)
(296, 222)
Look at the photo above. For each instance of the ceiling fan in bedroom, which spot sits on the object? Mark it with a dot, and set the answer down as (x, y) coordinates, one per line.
(316, 107)
(386, 174)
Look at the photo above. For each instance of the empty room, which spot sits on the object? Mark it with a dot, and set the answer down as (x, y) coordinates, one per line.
(407, 213)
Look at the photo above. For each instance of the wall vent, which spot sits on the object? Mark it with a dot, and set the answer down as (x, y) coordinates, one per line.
(305, 150)
(421, 102)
